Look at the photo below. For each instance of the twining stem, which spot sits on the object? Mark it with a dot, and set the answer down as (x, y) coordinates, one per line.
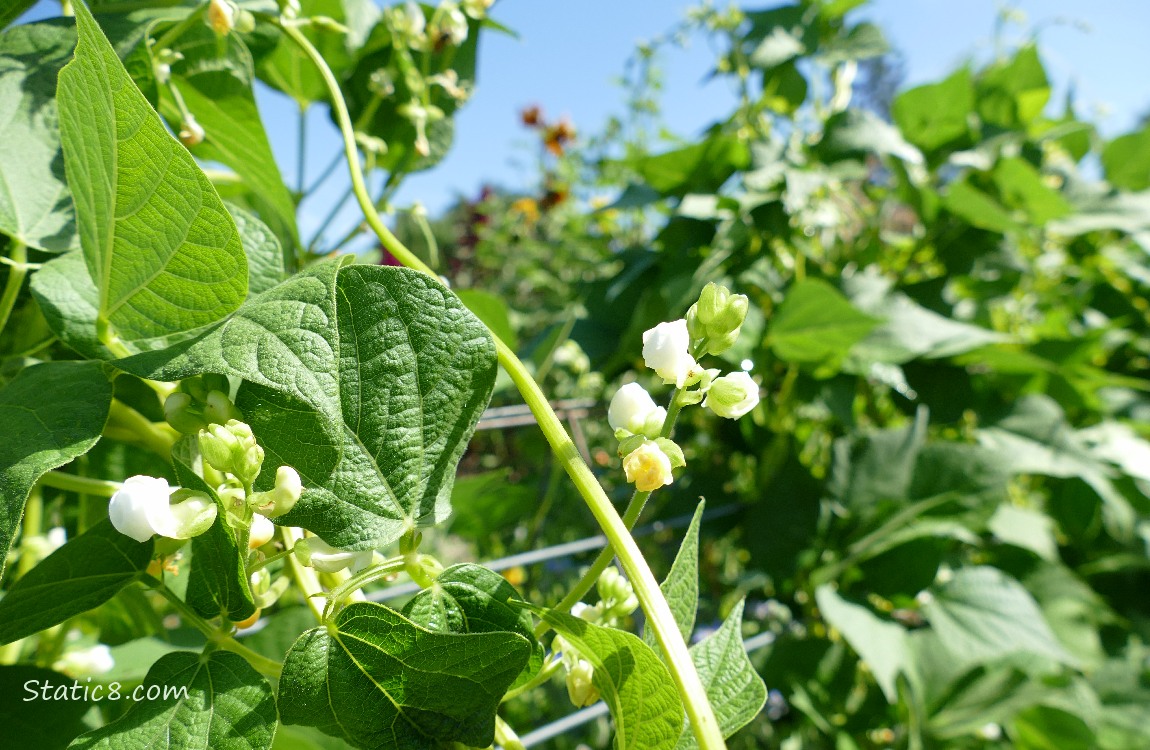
(262, 664)
(17, 270)
(682, 668)
(82, 485)
(33, 519)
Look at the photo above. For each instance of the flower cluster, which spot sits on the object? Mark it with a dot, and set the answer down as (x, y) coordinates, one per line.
(670, 349)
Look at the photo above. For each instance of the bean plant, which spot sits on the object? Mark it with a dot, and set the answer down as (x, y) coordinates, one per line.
(205, 423)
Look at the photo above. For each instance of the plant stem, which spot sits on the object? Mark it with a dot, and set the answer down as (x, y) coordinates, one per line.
(682, 668)
(301, 150)
(17, 270)
(262, 664)
(630, 517)
(82, 485)
(305, 578)
(545, 674)
(177, 31)
(506, 737)
(130, 426)
(33, 517)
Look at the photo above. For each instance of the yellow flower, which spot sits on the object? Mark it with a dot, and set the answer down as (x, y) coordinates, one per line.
(647, 467)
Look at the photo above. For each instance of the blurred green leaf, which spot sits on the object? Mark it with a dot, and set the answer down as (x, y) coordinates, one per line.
(1126, 160)
(880, 643)
(937, 114)
(1011, 93)
(816, 324)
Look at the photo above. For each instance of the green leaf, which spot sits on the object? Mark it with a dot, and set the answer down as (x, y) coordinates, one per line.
(52, 413)
(1022, 188)
(1012, 93)
(937, 114)
(1126, 160)
(388, 385)
(968, 202)
(469, 598)
(69, 301)
(879, 643)
(1049, 728)
(633, 680)
(700, 168)
(86, 572)
(217, 585)
(982, 615)
(862, 42)
(735, 690)
(681, 587)
(856, 132)
(217, 701)
(873, 467)
(490, 309)
(815, 324)
(263, 250)
(14, 10)
(35, 206)
(378, 680)
(1026, 528)
(217, 88)
(159, 244)
(41, 722)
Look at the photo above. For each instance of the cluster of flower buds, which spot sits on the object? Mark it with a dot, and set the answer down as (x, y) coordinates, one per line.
(143, 508)
(670, 349)
(232, 449)
(199, 402)
(580, 673)
(316, 553)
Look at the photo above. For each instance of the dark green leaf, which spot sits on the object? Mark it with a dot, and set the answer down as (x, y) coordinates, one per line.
(215, 701)
(681, 586)
(878, 466)
(217, 89)
(734, 689)
(378, 680)
(35, 206)
(982, 615)
(469, 598)
(879, 643)
(815, 324)
(263, 249)
(700, 168)
(633, 680)
(69, 301)
(30, 718)
(160, 246)
(51, 413)
(86, 572)
(387, 389)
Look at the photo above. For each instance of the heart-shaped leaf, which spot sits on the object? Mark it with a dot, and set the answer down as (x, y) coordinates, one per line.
(378, 680)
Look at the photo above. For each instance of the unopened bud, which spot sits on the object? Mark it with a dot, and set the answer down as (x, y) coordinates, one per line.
(183, 413)
(221, 16)
(580, 684)
(219, 409)
(732, 395)
(316, 553)
(191, 132)
(618, 598)
(717, 317)
(281, 498)
(261, 532)
(245, 22)
(260, 581)
(232, 448)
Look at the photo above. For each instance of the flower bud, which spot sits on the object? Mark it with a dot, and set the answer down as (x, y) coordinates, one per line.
(316, 553)
(633, 409)
(232, 448)
(86, 662)
(732, 395)
(717, 317)
(476, 9)
(667, 351)
(260, 581)
(219, 408)
(451, 26)
(261, 532)
(618, 598)
(183, 413)
(191, 132)
(190, 517)
(221, 16)
(245, 22)
(647, 467)
(281, 498)
(580, 686)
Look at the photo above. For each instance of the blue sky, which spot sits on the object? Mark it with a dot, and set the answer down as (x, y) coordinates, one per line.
(568, 56)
